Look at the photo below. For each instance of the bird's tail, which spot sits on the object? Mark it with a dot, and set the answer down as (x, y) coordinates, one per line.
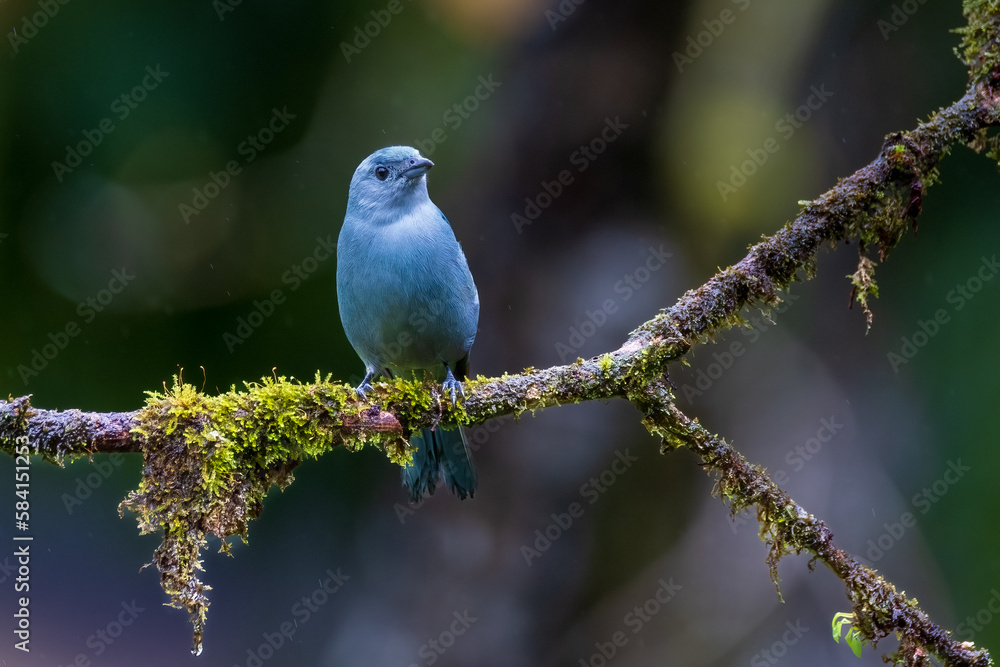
(440, 452)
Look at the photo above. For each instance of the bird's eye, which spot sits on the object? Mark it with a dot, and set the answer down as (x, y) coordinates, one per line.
(381, 173)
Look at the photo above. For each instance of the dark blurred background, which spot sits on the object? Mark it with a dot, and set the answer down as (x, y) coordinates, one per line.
(687, 130)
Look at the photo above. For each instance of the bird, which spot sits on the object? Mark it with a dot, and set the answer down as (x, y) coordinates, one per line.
(408, 302)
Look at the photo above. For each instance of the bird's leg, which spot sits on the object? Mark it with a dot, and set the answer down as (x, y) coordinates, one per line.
(366, 384)
(451, 384)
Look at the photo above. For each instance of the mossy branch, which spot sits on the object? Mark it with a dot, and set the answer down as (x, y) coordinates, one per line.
(786, 527)
(209, 460)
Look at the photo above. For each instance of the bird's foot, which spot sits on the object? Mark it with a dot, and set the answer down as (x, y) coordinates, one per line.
(366, 386)
(450, 386)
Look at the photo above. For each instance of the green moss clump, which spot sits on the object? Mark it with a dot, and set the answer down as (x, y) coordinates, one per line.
(210, 460)
(605, 364)
(980, 48)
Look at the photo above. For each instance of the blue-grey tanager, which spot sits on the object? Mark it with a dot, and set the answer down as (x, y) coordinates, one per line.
(407, 300)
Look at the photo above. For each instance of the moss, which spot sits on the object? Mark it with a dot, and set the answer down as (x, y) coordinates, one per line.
(991, 144)
(865, 286)
(980, 50)
(606, 364)
(14, 422)
(210, 460)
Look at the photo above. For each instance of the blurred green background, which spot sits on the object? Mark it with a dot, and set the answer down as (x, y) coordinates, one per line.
(93, 183)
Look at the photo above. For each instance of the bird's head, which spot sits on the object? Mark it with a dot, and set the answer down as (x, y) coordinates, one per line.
(389, 178)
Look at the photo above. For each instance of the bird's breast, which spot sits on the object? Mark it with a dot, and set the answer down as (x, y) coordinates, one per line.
(411, 292)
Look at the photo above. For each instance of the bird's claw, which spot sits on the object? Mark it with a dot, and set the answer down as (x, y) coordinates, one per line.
(366, 386)
(450, 386)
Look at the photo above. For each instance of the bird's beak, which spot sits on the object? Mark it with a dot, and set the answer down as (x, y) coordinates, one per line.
(417, 167)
